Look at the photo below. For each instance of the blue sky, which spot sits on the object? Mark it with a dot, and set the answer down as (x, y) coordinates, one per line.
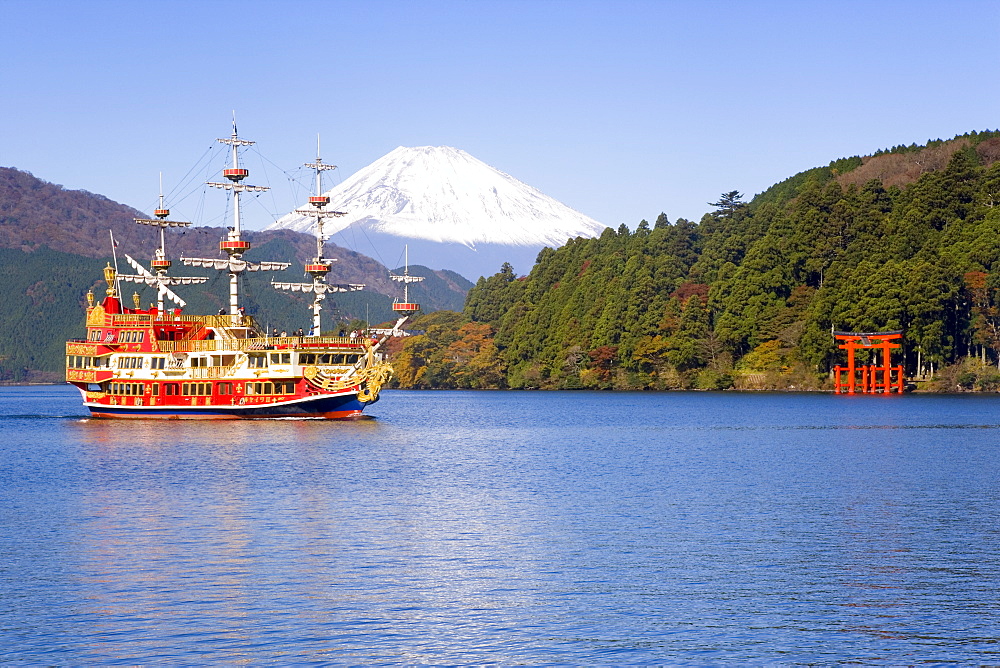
(619, 109)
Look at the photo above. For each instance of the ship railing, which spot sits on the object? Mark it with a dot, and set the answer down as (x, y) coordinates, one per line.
(263, 343)
(148, 320)
(219, 323)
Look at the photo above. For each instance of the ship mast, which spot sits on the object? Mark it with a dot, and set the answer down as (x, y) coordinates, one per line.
(160, 263)
(233, 244)
(406, 307)
(320, 266)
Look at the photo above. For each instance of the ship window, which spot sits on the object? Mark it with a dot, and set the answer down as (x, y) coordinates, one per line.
(281, 358)
(129, 362)
(172, 388)
(126, 389)
(157, 363)
(94, 335)
(199, 362)
(257, 361)
(196, 389)
(224, 388)
(307, 358)
(270, 388)
(131, 336)
(156, 389)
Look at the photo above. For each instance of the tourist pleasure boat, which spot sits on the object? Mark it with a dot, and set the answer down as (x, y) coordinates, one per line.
(163, 363)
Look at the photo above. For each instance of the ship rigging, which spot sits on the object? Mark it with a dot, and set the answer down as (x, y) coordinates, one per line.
(164, 363)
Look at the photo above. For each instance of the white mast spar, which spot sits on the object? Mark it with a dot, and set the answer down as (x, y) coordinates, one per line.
(160, 263)
(320, 266)
(234, 245)
(405, 308)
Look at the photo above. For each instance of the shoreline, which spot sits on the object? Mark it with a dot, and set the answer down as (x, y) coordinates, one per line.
(748, 391)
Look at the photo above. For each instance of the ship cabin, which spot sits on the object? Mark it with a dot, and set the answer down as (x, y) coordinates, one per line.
(147, 357)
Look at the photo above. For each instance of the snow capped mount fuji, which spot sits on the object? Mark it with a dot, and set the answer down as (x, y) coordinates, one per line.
(467, 215)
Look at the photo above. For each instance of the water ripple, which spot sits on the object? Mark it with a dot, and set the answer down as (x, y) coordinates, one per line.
(505, 528)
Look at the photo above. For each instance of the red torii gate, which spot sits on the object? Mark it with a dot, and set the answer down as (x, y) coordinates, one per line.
(869, 381)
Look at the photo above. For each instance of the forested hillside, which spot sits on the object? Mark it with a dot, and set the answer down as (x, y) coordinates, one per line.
(908, 238)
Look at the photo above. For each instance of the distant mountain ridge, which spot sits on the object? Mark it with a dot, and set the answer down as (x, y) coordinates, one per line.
(35, 213)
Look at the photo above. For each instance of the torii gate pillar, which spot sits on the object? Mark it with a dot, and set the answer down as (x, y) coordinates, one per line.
(870, 383)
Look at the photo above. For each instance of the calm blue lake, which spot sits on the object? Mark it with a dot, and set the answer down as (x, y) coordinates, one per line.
(518, 527)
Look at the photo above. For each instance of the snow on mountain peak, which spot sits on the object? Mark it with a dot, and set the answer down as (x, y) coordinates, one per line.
(443, 194)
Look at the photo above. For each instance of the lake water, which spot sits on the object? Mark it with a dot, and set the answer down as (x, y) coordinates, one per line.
(517, 527)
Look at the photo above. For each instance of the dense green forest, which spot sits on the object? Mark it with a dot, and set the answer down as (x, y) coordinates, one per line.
(908, 239)
(44, 303)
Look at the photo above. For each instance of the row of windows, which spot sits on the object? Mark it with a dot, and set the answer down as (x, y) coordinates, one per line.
(199, 389)
(270, 388)
(259, 361)
(328, 358)
(194, 389)
(125, 336)
(84, 362)
(127, 389)
(129, 362)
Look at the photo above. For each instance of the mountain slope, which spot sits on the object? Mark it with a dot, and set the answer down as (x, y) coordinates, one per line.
(447, 197)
